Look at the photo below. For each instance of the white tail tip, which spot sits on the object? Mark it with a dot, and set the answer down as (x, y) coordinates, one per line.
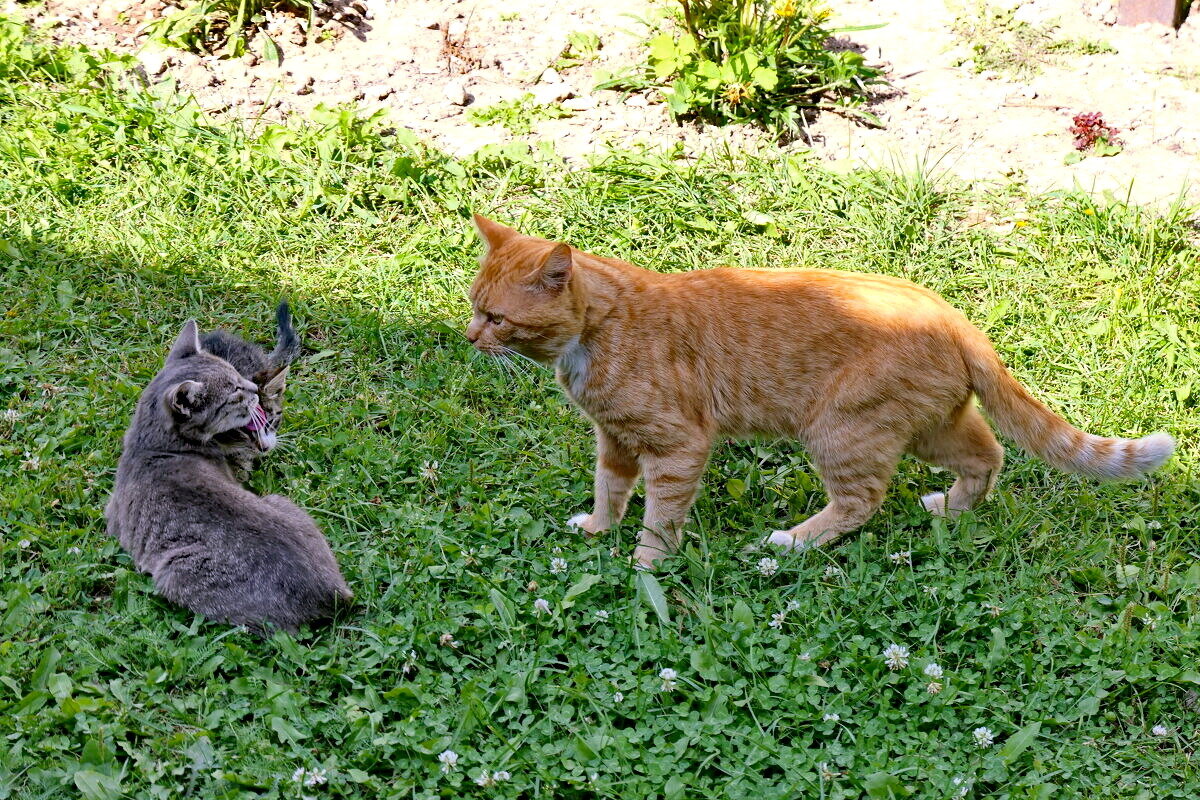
(1153, 451)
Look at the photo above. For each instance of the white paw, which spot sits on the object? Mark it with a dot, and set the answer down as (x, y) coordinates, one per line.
(935, 503)
(577, 521)
(785, 540)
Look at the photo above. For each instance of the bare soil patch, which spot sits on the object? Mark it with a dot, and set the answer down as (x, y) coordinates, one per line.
(429, 63)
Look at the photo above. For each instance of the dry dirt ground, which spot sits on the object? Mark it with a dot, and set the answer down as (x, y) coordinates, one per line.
(431, 62)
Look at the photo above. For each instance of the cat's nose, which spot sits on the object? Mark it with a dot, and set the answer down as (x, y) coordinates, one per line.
(474, 331)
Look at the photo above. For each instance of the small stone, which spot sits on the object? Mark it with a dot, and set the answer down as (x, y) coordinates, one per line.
(154, 61)
(456, 93)
(545, 94)
(550, 75)
(637, 101)
(376, 91)
(457, 29)
(584, 103)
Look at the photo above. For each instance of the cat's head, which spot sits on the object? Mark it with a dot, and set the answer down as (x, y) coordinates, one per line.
(525, 297)
(204, 397)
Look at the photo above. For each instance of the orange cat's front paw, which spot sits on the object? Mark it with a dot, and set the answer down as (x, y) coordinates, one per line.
(786, 540)
(585, 523)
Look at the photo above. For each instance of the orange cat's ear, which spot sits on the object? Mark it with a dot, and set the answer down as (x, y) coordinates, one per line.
(493, 234)
(555, 271)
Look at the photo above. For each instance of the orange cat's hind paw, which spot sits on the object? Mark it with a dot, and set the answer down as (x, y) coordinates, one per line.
(935, 503)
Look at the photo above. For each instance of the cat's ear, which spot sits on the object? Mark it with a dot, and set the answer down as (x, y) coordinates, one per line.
(187, 343)
(181, 399)
(555, 272)
(493, 234)
(271, 382)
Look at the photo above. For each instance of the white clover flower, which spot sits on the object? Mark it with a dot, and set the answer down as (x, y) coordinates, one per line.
(806, 656)
(602, 615)
(984, 737)
(793, 605)
(11, 415)
(556, 550)
(777, 619)
(74, 551)
(768, 566)
(618, 697)
(468, 554)
(929, 590)
(993, 609)
(934, 687)
(558, 566)
(1160, 730)
(31, 462)
(298, 775)
(485, 779)
(429, 471)
(1151, 621)
(449, 760)
(831, 718)
(315, 777)
(895, 656)
(541, 606)
(447, 640)
(832, 571)
(1154, 525)
(501, 775)
(901, 557)
(933, 670)
(827, 774)
(668, 676)
(23, 543)
(963, 784)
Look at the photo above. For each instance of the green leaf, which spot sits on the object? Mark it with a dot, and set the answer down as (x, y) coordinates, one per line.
(1020, 740)
(585, 582)
(285, 730)
(651, 592)
(584, 750)
(736, 488)
(881, 784)
(706, 664)
(96, 785)
(765, 78)
(502, 608)
(742, 614)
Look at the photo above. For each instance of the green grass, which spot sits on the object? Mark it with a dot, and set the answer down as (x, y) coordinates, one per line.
(442, 480)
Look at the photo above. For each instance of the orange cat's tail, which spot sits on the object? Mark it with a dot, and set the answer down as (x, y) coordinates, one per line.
(1039, 430)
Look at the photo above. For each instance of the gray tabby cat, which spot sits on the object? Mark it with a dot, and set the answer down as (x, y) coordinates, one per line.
(178, 510)
(244, 447)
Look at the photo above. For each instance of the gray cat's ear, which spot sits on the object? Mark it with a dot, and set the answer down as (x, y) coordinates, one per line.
(273, 385)
(555, 272)
(181, 398)
(493, 234)
(187, 343)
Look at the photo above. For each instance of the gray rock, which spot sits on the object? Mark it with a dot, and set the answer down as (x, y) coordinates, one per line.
(456, 92)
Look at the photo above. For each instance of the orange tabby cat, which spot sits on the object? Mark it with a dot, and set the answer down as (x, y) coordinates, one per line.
(860, 368)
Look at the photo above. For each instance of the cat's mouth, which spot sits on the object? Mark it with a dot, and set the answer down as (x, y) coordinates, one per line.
(259, 430)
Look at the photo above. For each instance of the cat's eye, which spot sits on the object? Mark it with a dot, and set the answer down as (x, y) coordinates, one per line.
(495, 319)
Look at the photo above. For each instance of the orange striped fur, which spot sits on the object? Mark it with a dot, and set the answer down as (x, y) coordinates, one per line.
(860, 368)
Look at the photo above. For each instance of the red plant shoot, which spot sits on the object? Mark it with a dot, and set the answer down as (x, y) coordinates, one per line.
(1089, 128)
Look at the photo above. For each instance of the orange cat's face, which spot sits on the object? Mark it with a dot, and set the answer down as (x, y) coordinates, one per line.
(523, 298)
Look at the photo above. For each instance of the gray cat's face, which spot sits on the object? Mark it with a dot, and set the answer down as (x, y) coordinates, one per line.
(205, 396)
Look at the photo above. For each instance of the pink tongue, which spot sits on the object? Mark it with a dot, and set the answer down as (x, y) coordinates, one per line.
(258, 421)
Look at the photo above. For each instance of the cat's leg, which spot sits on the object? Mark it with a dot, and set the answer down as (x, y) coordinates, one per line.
(671, 485)
(967, 446)
(616, 474)
(856, 472)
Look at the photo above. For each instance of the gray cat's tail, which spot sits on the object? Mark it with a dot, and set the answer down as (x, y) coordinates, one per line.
(287, 341)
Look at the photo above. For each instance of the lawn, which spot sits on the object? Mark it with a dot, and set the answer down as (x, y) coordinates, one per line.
(1062, 615)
